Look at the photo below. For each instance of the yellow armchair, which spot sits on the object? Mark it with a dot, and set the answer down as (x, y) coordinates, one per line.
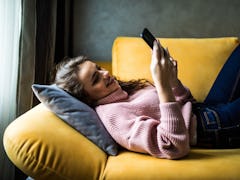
(44, 147)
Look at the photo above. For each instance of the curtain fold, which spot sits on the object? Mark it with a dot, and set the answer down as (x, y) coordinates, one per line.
(10, 23)
(64, 31)
(27, 56)
(44, 41)
(37, 49)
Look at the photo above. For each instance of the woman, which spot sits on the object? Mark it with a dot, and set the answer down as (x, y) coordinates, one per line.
(156, 119)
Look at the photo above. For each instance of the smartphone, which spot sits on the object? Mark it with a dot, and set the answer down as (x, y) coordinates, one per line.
(148, 37)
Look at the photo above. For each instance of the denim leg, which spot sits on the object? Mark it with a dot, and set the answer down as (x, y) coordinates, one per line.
(229, 113)
(226, 86)
(218, 125)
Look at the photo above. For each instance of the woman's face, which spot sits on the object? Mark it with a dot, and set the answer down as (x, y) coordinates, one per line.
(97, 82)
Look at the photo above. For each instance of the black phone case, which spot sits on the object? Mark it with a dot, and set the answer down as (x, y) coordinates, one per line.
(148, 37)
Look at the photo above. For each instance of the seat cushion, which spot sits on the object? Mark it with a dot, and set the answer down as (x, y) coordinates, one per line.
(199, 164)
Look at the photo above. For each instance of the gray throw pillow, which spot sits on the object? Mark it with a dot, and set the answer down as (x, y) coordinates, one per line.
(77, 114)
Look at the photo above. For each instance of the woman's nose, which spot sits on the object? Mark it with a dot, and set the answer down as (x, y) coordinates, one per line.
(105, 73)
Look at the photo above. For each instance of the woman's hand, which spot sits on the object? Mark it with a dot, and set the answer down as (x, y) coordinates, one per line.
(164, 72)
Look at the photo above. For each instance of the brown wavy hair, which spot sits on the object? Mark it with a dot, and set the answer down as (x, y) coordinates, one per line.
(67, 79)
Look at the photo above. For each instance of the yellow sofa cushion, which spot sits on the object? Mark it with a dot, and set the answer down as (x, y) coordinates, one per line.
(206, 164)
(199, 60)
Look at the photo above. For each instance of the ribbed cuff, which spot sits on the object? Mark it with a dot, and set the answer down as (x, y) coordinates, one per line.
(171, 117)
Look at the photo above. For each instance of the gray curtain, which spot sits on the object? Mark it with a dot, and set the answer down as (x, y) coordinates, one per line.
(45, 39)
(37, 48)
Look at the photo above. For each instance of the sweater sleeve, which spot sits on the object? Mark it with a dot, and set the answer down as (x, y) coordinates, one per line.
(164, 138)
(167, 138)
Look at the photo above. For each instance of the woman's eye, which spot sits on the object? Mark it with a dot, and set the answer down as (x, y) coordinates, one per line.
(96, 75)
(96, 79)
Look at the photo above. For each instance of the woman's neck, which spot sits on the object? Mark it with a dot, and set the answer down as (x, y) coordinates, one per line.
(115, 96)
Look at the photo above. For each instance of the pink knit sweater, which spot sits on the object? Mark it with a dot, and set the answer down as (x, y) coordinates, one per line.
(141, 123)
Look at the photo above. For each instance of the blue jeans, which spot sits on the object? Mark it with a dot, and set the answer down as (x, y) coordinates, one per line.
(219, 115)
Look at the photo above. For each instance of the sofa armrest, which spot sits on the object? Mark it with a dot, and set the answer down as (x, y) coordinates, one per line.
(45, 147)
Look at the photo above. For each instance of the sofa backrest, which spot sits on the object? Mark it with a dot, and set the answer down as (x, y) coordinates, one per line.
(199, 59)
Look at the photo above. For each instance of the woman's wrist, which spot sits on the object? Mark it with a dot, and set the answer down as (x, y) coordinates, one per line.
(165, 94)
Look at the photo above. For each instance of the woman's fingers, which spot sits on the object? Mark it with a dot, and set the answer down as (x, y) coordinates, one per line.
(162, 55)
(158, 49)
(174, 62)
